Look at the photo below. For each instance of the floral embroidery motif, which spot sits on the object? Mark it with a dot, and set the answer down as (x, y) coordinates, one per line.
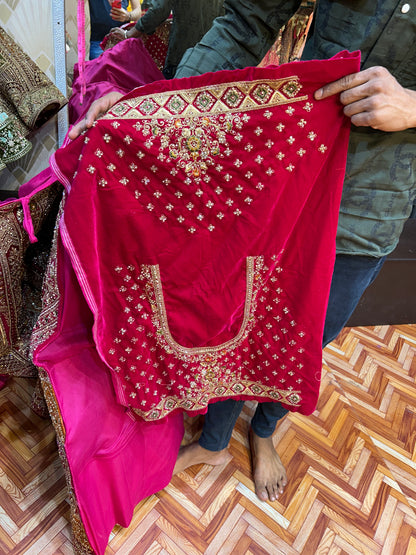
(193, 132)
(12, 145)
(193, 143)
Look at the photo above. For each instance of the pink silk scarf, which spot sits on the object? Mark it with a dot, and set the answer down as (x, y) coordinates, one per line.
(200, 221)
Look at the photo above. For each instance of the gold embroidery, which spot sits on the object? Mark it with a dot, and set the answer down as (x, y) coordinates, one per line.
(21, 271)
(190, 377)
(80, 537)
(31, 98)
(47, 322)
(193, 143)
(213, 99)
(206, 356)
(199, 398)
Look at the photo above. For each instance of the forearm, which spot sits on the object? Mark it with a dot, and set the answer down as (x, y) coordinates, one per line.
(155, 15)
(136, 10)
(411, 107)
(240, 38)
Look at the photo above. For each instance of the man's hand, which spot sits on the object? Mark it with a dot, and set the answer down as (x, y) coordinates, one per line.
(374, 98)
(97, 109)
(121, 34)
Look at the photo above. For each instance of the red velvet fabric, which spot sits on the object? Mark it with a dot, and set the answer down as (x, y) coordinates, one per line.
(201, 224)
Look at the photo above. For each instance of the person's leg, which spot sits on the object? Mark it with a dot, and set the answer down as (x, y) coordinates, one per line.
(95, 49)
(352, 275)
(268, 471)
(219, 423)
(211, 448)
(269, 474)
(266, 417)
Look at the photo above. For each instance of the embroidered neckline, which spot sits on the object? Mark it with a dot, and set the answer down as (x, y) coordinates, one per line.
(164, 335)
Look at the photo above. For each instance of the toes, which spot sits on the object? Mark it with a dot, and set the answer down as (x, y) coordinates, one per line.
(262, 493)
(281, 484)
(273, 493)
(267, 492)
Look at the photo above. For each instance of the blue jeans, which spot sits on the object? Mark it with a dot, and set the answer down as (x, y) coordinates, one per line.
(95, 49)
(352, 275)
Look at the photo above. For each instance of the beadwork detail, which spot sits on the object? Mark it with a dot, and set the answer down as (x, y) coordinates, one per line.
(211, 99)
(193, 131)
(188, 377)
(194, 143)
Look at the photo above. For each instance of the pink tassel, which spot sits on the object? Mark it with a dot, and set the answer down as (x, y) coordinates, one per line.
(81, 46)
(27, 220)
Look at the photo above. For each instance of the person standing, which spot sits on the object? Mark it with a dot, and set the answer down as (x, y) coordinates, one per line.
(380, 181)
(104, 17)
(191, 19)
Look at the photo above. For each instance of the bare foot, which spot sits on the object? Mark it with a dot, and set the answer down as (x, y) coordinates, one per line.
(268, 471)
(195, 454)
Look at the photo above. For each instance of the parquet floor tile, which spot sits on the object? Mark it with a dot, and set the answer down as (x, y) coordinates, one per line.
(351, 467)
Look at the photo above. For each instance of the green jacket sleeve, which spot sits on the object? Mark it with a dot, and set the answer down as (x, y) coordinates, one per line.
(240, 38)
(157, 13)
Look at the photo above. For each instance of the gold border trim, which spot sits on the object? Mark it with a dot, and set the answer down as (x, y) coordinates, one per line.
(128, 109)
(240, 388)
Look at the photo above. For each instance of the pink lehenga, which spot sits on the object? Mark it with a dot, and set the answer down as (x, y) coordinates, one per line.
(192, 263)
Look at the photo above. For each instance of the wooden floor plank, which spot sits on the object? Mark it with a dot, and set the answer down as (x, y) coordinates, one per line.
(351, 471)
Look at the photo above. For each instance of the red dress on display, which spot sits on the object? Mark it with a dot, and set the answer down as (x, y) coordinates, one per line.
(201, 221)
(192, 263)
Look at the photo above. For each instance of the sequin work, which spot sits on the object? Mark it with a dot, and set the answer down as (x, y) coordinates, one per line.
(188, 223)
(205, 373)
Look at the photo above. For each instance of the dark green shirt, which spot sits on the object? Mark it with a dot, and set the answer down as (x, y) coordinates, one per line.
(191, 19)
(379, 187)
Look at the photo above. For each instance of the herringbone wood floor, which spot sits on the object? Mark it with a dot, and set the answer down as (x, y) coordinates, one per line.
(351, 468)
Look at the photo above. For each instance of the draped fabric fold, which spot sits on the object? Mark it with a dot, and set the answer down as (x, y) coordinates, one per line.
(26, 87)
(111, 461)
(115, 70)
(26, 228)
(156, 44)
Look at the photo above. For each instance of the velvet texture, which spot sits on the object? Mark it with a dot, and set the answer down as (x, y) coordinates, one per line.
(201, 224)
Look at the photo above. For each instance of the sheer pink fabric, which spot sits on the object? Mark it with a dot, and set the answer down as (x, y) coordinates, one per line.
(201, 225)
